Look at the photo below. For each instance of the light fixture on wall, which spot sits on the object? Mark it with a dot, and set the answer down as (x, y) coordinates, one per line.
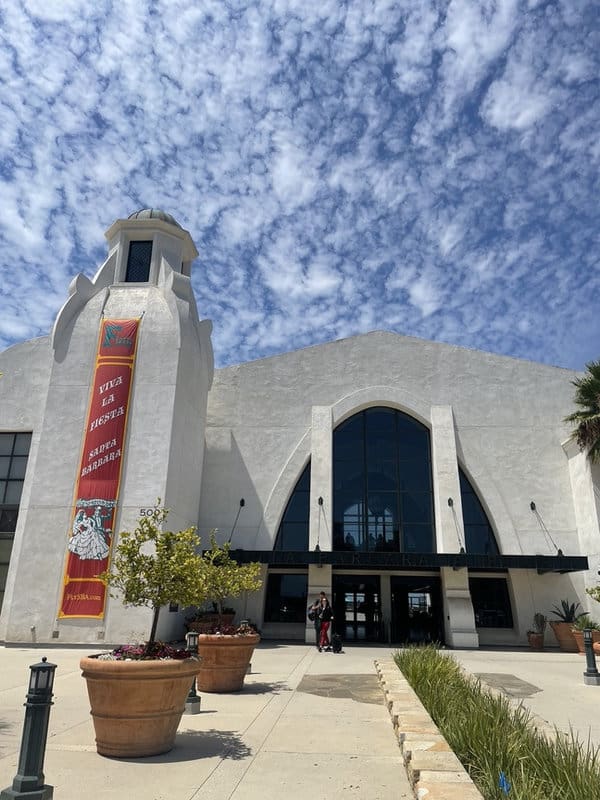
(545, 530)
(456, 566)
(318, 546)
(237, 516)
(318, 551)
(456, 525)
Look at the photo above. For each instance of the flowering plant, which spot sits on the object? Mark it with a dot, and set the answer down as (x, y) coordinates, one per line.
(243, 629)
(144, 652)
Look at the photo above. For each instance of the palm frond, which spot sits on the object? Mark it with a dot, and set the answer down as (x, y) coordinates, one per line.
(586, 418)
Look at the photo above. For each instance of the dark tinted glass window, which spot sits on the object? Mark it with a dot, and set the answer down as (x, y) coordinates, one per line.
(479, 535)
(22, 444)
(491, 602)
(286, 598)
(418, 539)
(292, 536)
(14, 450)
(8, 519)
(293, 530)
(138, 262)
(382, 483)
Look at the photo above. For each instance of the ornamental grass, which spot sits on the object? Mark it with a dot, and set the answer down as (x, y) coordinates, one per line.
(497, 742)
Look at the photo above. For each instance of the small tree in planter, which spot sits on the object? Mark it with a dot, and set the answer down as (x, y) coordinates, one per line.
(226, 650)
(137, 692)
(153, 567)
(224, 578)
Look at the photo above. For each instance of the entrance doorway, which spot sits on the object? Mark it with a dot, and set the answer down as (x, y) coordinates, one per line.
(357, 608)
(417, 612)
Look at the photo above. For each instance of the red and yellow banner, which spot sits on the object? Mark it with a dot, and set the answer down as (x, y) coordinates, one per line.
(84, 594)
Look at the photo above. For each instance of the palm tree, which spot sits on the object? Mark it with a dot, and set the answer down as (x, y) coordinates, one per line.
(587, 417)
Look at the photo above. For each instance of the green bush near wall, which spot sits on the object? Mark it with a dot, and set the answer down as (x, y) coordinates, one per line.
(494, 738)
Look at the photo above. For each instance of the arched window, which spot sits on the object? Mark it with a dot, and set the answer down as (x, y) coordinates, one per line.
(293, 530)
(382, 497)
(479, 535)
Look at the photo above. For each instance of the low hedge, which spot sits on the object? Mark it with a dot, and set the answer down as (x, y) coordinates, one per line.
(497, 742)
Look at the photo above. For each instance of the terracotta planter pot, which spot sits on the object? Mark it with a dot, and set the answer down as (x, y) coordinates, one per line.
(137, 705)
(564, 636)
(224, 661)
(536, 640)
(579, 640)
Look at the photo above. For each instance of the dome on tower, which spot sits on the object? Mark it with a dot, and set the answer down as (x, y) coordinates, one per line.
(154, 213)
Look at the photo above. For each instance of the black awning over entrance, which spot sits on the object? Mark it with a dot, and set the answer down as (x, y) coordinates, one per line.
(394, 561)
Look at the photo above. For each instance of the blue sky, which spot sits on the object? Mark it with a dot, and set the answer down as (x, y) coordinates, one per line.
(430, 168)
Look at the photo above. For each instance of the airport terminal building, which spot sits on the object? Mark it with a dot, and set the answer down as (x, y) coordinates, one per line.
(431, 490)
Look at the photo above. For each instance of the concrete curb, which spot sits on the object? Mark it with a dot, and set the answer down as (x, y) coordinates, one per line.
(433, 770)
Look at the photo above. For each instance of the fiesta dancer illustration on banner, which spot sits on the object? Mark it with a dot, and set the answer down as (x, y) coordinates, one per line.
(91, 539)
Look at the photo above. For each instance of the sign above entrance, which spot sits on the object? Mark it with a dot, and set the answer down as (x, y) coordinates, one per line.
(391, 561)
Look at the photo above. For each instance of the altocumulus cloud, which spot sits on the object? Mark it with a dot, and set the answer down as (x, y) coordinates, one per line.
(425, 167)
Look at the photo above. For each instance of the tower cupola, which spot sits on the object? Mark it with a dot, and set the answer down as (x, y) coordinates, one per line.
(143, 241)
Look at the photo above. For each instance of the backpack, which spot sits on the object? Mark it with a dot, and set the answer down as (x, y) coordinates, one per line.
(336, 643)
(312, 615)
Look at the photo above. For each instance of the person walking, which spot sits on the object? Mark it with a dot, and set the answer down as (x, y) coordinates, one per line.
(326, 617)
(314, 613)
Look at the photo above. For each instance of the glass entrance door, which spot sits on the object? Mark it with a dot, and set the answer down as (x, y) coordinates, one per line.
(357, 608)
(417, 614)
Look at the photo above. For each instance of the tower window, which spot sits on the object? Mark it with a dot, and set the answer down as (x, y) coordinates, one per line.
(138, 262)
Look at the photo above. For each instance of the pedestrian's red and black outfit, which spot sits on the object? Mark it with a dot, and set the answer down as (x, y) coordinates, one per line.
(325, 615)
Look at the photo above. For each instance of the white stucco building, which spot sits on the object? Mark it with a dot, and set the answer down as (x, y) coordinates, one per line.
(430, 490)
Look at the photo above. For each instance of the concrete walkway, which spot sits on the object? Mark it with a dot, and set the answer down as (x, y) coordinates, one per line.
(307, 725)
(548, 683)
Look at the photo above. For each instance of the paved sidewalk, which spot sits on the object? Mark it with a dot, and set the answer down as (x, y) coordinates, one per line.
(307, 724)
(549, 683)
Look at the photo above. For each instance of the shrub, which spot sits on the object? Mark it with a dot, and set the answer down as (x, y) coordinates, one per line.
(567, 612)
(585, 621)
(491, 736)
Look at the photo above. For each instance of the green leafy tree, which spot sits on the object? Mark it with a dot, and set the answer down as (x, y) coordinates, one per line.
(594, 593)
(223, 577)
(153, 567)
(587, 417)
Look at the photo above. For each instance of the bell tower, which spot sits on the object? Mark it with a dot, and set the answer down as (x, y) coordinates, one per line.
(135, 323)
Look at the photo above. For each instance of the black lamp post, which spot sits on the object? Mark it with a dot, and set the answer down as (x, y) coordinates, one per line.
(192, 701)
(29, 780)
(591, 676)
